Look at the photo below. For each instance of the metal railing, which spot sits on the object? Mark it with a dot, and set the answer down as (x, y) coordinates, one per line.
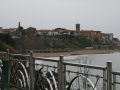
(3, 56)
(115, 73)
(92, 67)
(108, 75)
(0, 72)
(19, 72)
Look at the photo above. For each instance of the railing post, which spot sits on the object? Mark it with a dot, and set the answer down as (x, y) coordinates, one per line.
(109, 75)
(31, 72)
(64, 77)
(60, 74)
(114, 82)
(104, 79)
(5, 77)
(7, 54)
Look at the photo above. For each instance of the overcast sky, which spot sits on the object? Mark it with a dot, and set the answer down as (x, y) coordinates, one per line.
(103, 15)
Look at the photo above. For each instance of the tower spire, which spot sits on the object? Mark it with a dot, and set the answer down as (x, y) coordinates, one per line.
(18, 24)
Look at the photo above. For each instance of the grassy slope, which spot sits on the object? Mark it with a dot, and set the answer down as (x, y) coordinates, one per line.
(43, 42)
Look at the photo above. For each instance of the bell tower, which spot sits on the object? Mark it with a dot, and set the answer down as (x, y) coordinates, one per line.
(18, 25)
(19, 30)
(77, 29)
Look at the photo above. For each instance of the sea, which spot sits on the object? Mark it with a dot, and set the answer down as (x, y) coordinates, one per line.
(93, 59)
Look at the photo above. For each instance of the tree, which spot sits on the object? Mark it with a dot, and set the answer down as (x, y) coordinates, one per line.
(6, 38)
(1, 46)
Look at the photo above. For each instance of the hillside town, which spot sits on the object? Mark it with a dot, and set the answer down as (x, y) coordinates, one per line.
(101, 40)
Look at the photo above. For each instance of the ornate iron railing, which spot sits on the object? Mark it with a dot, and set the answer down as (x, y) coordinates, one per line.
(27, 74)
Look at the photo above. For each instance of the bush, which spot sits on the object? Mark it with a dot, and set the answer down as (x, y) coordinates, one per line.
(1, 46)
(6, 38)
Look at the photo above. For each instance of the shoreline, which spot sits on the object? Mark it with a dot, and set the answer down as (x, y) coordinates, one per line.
(79, 52)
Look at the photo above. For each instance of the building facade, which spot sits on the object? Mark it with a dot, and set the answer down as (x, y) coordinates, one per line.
(19, 30)
(77, 29)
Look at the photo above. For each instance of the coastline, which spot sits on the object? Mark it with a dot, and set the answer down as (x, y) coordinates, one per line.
(79, 52)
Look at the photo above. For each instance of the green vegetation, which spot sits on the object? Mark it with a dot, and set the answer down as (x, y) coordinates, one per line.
(6, 42)
(52, 41)
(6, 38)
(34, 41)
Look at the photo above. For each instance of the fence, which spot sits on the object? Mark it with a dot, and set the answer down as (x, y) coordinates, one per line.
(0, 72)
(25, 74)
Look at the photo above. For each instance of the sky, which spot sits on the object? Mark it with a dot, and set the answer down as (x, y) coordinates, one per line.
(101, 15)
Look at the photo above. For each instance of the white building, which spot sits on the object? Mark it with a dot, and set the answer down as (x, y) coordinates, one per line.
(50, 33)
(56, 33)
(110, 36)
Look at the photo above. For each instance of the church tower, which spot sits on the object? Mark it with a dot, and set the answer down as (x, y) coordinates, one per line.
(19, 30)
(77, 29)
(18, 25)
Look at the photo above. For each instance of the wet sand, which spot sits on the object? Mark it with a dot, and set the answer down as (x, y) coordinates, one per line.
(80, 52)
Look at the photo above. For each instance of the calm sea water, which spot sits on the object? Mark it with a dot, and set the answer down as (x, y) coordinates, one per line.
(94, 59)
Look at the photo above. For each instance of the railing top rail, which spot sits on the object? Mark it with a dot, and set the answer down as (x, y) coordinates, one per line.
(19, 60)
(83, 73)
(51, 60)
(2, 52)
(85, 65)
(23, 55)
(116, 72)
(46, 65)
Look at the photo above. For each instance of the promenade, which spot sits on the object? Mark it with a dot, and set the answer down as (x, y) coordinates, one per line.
(79, 52)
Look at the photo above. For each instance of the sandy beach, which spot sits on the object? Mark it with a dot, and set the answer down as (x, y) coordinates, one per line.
(80, 52)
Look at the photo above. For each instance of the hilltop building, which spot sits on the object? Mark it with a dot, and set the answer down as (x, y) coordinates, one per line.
(77, 29)
(94, 35)
(32, 29)
(19, 30)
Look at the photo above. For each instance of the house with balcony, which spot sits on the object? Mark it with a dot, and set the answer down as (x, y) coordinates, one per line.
(90, 33)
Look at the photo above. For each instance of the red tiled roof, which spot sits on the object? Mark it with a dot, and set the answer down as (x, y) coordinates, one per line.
(51, 31)
(39, 31)
(118, 43)
(87, 30)
(66, 31)
(84, 32)
(103, 34)
(43, 30)
(98, 36)
(90, 30)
